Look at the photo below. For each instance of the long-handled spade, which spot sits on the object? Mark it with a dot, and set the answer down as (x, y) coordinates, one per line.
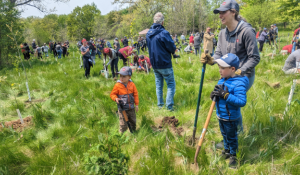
(204, 130)
(199, 99)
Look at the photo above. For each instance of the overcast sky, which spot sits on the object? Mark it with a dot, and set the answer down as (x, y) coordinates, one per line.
(104, 6)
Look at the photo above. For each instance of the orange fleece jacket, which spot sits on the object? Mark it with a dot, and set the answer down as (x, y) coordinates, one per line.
(120, 89)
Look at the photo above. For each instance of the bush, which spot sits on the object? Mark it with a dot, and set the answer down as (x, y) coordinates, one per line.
(107, 157)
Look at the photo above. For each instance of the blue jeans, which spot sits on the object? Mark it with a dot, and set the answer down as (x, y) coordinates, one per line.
(99, 54)
(168, 75)
(59, 53)
(294, 47)
(230, 135)
(46, 54)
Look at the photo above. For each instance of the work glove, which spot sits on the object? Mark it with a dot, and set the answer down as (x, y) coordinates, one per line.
(238, 72)
(220, 92)
(206, 59)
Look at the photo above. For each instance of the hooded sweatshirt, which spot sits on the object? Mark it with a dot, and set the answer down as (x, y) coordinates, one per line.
(262, 36)
(241, 42)
(160, 46)
(230, 109)
(197, 41)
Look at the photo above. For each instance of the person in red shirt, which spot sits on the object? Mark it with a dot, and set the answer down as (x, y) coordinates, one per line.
(296, 31)
(192, 39)
(288, 48)
(142, 63)
(125, 52)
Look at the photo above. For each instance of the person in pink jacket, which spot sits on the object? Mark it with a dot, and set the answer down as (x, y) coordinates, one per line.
(192, 39)
(125, 52)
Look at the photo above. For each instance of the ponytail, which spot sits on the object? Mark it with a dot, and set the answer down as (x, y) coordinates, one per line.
(237, 16)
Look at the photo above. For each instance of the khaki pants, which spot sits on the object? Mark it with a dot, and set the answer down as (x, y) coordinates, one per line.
(131, 118)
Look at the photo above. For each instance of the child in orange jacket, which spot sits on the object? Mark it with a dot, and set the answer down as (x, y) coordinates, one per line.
(126, 96)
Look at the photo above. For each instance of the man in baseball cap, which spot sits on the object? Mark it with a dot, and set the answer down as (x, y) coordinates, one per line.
(227, 5)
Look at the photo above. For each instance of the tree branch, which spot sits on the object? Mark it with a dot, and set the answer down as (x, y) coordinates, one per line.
(23, 3)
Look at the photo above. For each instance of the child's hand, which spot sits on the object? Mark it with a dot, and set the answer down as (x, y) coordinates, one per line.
(136, 108)
(117, 100)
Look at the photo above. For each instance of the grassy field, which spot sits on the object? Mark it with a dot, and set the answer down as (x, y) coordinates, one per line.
(75, 126)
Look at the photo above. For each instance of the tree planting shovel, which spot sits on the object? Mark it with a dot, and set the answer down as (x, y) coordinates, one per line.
(199, 99)
(204, 130)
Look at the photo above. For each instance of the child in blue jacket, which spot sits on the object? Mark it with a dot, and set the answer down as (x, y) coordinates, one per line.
(230, 93)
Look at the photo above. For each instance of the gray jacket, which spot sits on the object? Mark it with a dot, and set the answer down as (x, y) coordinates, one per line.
(197, 41)
(241, 42)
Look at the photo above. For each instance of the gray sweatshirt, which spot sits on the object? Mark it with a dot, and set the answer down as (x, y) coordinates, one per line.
(242, 42)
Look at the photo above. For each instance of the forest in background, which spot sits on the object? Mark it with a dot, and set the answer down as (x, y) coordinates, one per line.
(181, 16)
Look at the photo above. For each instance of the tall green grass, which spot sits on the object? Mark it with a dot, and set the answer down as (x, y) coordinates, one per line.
(74, 115)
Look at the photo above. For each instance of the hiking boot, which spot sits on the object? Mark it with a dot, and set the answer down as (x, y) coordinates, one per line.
(233, 161)
(225, 154)
(220, 145)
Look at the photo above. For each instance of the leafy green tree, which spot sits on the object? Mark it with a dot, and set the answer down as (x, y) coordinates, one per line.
(289, 10)
(81, 22)
(260, 15)
(9, 16)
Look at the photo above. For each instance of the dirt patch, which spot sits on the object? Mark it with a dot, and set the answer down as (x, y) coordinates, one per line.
(17, 125)
(171, 122)
(189, 140)
(274, 85)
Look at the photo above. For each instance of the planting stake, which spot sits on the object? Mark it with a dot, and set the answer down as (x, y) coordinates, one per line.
(147, 67)
(80, 62)
(190, 59)
(20, 116)
(290, 96)
(204, 130)
(199, 99)
(28, 91)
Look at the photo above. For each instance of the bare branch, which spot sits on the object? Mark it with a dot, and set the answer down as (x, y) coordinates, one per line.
(23, 3)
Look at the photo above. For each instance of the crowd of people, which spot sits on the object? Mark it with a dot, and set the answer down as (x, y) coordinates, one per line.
(236, 53)
(57, 49)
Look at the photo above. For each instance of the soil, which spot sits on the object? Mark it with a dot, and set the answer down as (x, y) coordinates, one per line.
(17, 125)
(274, 85)
(171, 122)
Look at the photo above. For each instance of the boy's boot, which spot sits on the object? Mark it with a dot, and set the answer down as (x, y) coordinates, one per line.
(233, 161)
(226, 154)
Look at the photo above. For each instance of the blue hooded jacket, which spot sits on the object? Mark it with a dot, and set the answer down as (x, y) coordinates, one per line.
(230, 109)
(161, 46)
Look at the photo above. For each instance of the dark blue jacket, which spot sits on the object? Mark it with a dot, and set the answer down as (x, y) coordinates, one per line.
(230, 109)
(160, 46)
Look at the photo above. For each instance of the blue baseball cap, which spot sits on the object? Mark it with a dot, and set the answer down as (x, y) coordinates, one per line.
(227, 5)
(229, 60)
(125, 71)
